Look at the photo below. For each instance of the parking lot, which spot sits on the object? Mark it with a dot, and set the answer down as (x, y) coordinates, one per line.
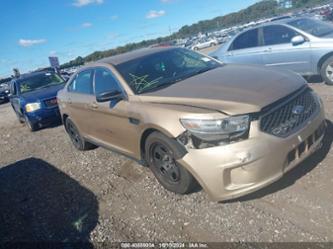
(103, 196)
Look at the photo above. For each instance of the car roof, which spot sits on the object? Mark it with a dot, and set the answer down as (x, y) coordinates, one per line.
(282, 21)
(121, 58)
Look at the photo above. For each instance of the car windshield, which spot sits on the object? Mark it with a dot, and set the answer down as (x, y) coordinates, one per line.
(161, 69)
(313, 27)
(40, 81)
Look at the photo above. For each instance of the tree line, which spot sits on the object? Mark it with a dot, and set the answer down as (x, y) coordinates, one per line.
(259, 10)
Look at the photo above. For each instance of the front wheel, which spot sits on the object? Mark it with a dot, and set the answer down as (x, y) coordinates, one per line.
(20, 118)
(160, 155)
(326, 71)
(29, 124)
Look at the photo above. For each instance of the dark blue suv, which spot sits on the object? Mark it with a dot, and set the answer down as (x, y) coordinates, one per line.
(33, 98)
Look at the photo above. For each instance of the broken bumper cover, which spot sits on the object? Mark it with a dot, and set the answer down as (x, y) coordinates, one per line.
(230, 171)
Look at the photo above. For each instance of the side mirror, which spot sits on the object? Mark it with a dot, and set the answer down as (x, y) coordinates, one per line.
(110, 95)
(297, 40)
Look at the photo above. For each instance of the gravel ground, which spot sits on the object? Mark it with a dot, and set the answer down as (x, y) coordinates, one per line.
(50, 191)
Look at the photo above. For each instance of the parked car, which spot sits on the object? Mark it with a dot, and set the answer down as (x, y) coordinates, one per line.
(33, 98)
(223, 39)
(4, 91)
(302, 45)
(204, 43)
(193, 119)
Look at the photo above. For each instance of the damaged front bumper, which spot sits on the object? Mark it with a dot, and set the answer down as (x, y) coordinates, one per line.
(230, 171)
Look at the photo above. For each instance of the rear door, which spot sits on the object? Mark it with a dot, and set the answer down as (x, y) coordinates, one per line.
(245, 49)
(281, 53)
(81, 95)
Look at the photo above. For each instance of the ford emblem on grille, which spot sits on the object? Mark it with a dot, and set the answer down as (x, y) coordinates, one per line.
(298, 109)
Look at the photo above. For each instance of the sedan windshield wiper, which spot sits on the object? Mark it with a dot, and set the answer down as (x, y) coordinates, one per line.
(202, 70)
(158, 87)
(52, 84)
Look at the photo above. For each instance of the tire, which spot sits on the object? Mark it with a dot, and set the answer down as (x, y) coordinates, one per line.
(19, 118)
(213, 44)
(161, 152)
(326, 71)
(76, 138)
(32, 127)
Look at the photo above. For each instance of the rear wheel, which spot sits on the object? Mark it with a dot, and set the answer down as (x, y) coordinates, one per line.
(160, 155)
(77, 140)
(326, 71)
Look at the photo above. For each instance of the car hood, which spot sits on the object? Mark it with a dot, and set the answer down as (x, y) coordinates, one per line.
(44, 93)
(231, 89)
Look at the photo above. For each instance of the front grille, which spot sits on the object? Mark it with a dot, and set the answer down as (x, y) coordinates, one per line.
(307, 144)
(281, 120)
(51, 102)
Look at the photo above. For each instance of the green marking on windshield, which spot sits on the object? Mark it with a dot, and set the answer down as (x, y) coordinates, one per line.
(25, 88)
(141, 83)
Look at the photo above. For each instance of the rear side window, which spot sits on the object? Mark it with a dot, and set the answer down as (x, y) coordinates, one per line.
(82, 83)
(248, 39)
(278, 34)
(105, 81)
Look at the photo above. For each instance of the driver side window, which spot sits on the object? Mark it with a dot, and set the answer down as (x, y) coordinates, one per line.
(105, 81)
(278, 34)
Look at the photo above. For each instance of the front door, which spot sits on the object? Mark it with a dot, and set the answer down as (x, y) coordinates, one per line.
(112, 123)
(280, 53)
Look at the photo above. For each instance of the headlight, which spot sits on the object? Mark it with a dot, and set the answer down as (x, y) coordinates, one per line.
(32, 107)
(217, 129)
(7, 91)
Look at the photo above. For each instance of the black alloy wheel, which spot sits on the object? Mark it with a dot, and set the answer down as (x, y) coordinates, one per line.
(164, 162)
(76, 138)
(161, 154)
(74, 135)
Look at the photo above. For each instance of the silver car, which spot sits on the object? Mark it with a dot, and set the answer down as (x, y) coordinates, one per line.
(204, 43)
(303, 45)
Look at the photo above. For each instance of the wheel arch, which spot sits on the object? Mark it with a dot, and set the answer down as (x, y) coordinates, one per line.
(64, 117)
(149, 130)
(322, 60)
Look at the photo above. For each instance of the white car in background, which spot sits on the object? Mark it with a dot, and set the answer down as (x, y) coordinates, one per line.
(204, 43)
